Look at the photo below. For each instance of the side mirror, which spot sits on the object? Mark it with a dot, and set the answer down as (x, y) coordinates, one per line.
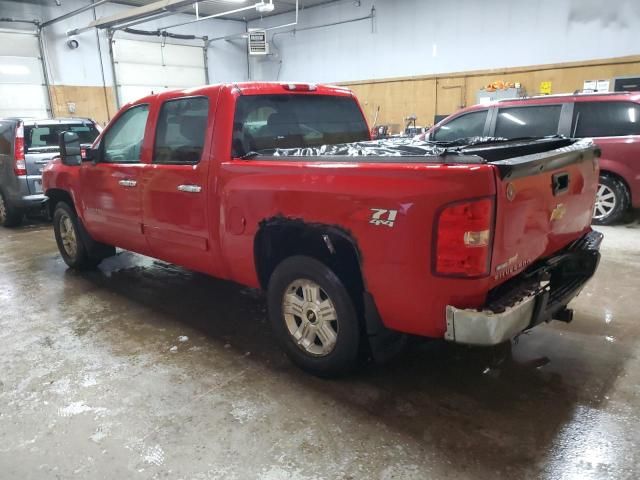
(70, 148)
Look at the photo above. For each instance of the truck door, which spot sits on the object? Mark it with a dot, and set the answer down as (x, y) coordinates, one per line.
(175, 207)
(112, 209)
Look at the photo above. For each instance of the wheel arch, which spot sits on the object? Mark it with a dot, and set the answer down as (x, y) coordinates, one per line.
(280, 237)
(57, 195)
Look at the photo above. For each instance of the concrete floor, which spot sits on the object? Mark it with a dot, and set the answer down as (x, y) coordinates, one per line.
(144, 370)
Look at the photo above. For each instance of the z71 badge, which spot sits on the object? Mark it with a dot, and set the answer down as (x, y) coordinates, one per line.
(382, 216)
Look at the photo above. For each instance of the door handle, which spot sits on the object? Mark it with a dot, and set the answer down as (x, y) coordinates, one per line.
(127, 183)
(190, 188)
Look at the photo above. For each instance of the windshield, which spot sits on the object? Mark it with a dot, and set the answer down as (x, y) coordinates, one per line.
(264, 122)
(45, 137)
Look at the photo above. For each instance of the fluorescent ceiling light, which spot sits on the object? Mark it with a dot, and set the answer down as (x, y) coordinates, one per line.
(508, 116)
(632, 114)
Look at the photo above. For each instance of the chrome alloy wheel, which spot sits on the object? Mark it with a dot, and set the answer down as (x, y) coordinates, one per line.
(68, 236)
(311, 317)
(3, 210)
(605, 202)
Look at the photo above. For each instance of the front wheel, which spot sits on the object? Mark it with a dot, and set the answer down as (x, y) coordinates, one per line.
(313, 316)
(612, 201)
(72, 248)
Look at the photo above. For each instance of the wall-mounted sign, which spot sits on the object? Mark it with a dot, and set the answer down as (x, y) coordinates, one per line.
(258, 42)
(545, 88)
(591, 86)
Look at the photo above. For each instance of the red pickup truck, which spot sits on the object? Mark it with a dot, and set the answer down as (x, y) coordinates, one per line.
(356, 244)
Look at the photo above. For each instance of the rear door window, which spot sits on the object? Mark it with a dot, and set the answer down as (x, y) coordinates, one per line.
(465, 126)
(605, 119)
(180, 132)
(535, 121)
(45, 137)
(265, 122)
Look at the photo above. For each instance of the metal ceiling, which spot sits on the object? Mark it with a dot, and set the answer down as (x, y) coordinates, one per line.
(212, 7)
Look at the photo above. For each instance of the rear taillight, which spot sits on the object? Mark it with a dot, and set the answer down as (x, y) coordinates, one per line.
(464, 235)
(19, 164)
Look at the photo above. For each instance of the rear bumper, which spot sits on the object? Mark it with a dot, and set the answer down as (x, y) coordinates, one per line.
(27, 196)
(537, 295)
(32, 201)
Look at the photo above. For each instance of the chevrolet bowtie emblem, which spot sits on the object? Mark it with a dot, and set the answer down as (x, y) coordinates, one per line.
(558, 212)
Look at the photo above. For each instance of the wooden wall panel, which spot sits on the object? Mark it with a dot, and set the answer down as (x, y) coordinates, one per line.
(397, 100)
(444, 94)
(90, 102)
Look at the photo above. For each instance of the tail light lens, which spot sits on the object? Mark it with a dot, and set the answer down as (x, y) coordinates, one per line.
(464, 236)
(19, 164)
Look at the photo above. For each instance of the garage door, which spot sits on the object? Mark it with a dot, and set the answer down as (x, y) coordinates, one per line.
(145, 67)
(23, 92)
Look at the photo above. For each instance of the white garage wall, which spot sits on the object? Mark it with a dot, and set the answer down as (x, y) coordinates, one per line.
(227, 61)
(418, 37)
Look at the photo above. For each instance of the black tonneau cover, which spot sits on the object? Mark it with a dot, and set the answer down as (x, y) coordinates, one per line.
(513, 158)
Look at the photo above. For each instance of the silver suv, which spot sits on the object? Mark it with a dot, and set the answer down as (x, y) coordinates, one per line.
(26, 146)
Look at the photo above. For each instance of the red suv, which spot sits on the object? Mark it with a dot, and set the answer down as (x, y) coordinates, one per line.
(611, 119)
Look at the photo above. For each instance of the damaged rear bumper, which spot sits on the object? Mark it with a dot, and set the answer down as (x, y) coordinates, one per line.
(538, 295)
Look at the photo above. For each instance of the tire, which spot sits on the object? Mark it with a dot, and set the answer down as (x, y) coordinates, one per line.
(314, 317)
(612, 201)
(10, 216)
(69, 238)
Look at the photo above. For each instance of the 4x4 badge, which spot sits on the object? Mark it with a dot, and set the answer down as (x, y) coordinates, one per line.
(382, 216)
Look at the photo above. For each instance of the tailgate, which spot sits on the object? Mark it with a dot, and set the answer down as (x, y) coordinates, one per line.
(544, 202)
(35, 162)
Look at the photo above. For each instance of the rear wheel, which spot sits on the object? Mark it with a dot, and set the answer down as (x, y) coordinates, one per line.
(10, 216)
(73, 247)
(314, 317)
(612, 201)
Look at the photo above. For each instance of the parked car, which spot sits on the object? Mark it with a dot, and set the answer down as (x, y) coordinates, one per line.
(237, 181)
(611, 119)
(25, 147)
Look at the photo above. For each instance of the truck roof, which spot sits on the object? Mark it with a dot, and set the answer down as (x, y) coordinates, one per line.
(253, 88)
(48, 121)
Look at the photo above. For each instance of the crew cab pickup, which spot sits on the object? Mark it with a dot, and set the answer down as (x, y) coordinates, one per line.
(356, 242)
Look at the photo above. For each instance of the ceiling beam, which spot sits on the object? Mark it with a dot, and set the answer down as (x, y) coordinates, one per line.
(74, 12)
(141, 12)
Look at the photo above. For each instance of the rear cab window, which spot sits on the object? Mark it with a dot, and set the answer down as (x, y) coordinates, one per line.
(465, 126)
(605, 119)
(530, 121)
(44, 138)
(265, 122)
